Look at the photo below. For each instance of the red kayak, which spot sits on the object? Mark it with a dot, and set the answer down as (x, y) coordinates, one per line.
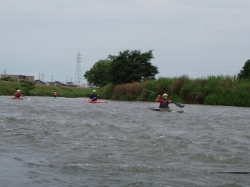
(17, 98)
(97, 101)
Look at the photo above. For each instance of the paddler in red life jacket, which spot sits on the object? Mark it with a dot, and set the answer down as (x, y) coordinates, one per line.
(93, 96)
(54, 94)
(163, 100)
(18, 94)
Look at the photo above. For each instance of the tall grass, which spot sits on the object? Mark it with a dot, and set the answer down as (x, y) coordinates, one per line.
(8, 88)
(128, 92)
(212, 90)
(106, 91)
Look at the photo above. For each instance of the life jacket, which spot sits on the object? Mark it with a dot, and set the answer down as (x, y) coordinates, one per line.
(164, 103)
(17, 94)
(93, 97)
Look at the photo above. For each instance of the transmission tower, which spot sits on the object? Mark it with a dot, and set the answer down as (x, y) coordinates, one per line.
(78, 74)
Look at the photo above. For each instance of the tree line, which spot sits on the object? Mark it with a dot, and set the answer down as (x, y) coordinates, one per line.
(127, 67)
(132, 66)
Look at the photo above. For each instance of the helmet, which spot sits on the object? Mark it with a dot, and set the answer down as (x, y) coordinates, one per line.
(55, 92)
(165, 95)
(18, 90)
(94, 90)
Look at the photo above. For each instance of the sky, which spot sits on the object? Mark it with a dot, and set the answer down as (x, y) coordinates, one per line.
(196, 38)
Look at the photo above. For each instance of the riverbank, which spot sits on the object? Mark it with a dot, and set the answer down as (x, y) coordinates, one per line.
(212, 90)
(9, 88)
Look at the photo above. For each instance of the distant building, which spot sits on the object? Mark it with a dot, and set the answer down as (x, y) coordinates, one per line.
(39, 82)
(19, 77)
(57, 83)
(69, 83)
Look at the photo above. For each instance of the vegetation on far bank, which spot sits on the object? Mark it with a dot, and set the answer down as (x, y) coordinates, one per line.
(212, 90)
(130, 75)
(9, 88)
(127, 77)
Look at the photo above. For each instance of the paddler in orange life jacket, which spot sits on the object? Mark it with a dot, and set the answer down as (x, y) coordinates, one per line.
(18, 94)
(163, 100)
(94, 96)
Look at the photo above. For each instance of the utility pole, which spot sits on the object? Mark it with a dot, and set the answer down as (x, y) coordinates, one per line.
(78, 74)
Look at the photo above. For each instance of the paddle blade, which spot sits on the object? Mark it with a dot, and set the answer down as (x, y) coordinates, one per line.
(152, 92)
(178, 104)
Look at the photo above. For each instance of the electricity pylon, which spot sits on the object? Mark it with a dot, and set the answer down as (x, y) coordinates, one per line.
(78, 74)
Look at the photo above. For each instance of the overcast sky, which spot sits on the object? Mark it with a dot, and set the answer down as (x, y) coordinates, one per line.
(198, 38)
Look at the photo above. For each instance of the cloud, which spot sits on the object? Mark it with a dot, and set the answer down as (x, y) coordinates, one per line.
(185, 35)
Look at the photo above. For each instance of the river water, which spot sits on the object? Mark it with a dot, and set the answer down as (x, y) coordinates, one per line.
(47, 142)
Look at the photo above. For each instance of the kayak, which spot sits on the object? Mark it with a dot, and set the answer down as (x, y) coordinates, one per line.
(166, 110)
(97, 101)
(16, 98)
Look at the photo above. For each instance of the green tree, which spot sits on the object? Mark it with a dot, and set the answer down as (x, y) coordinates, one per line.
(99, 75)
(27, 86)
(132, 66)
(245, 72)
(7, 79)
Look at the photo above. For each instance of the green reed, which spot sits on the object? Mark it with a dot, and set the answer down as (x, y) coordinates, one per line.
(211, 90)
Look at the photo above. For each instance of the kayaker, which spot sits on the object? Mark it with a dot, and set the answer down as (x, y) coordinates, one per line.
(18, 94)
(54, 94)
(163, 100)
(94, 96)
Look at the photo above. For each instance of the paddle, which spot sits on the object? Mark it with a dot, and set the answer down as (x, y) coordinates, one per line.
(176, 103)
(93, 99)
(234, 172)
(26, 98)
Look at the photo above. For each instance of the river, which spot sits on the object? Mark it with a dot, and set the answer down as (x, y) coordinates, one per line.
(48, 142)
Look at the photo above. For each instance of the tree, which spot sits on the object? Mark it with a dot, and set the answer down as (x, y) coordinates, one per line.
(7, 79)
(27, 86)
(245, 72)
(132, 66)
(99, 75)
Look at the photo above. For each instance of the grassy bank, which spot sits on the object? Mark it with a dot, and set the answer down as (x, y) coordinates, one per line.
(212, 90)
(9, 88)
